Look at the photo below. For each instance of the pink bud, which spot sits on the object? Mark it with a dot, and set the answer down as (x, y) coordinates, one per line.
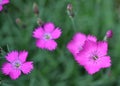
(69, 7)
(70, 10)
(109, 34)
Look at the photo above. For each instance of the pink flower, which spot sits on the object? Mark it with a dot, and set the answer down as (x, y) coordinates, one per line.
(94, 56)
(16, 64)
(77, 42)
(45, 36)
(3, 2)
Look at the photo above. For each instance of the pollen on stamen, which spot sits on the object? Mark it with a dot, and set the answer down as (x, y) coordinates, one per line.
(17, 64)
(47, 36)
(95, 57)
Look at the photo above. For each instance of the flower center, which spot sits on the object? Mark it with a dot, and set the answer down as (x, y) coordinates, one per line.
(95, 57)
(47, 36)
(17, 64)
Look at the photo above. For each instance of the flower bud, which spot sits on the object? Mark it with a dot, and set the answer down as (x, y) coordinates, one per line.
(39, 22)
(69, 7)
(70, 10)
(109, 34)
(35, 9)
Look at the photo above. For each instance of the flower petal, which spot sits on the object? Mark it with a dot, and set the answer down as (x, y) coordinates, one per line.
(50, 45)
(56, 33)
(71, 46)
(79, 38)
(1, 7)
(27, 67)
(91, 38)
(90, 46)
(14, 74)
(76, 44)
(102, 48)
(23, 55)
(91, 68)
(81, 58)
(49, 27)
(104, 61)
(40, 43)
(11, 56)
(6, 68)
(38, 33)
(5, 1)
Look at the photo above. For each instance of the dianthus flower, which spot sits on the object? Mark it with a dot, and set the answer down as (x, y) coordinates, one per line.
(46, 35)
(94, 56)
(16, 64)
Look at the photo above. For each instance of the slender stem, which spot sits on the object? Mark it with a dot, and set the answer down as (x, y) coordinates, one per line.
(73, 23)
(72, 20)
(8, 49)
(105, 38)
(3, 53)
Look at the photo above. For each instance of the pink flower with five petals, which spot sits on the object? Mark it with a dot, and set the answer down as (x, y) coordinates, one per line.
(16, 64)
(94, 56)
(46, 36)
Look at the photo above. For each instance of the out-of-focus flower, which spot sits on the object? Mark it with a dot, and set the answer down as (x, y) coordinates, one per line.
(77, 42)
(45, 36)
(3, 2)
(16, 64)
(94, 56)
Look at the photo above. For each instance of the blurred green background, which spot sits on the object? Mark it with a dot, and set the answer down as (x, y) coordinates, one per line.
(58, 68)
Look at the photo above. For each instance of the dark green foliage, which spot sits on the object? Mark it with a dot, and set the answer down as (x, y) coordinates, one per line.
(58, 68)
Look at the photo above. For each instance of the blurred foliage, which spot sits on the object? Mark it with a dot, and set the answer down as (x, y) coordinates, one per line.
(58, 68)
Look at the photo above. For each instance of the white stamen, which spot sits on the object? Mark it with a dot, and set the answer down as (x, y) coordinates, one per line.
(47, 36)
(16, 64)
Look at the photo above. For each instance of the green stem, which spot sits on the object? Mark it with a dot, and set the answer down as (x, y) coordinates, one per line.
(72, 20)
(8, 49)
(73, 23)
(105, 38)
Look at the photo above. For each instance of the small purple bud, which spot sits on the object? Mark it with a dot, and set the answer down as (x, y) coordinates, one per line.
(70, 10)
(109, 34)
(69, 7)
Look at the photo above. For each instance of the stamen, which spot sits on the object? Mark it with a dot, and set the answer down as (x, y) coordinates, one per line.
(16, 64)
(95, 57)
(47, 36)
